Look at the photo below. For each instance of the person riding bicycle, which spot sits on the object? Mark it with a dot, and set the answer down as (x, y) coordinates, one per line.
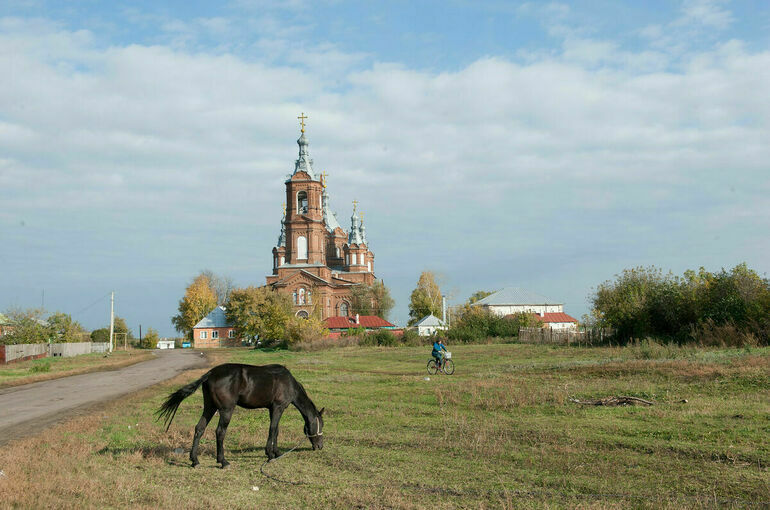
(438, 346)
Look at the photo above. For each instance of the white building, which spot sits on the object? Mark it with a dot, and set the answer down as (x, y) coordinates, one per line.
(165, 343)
(429, 325)
(512, 300)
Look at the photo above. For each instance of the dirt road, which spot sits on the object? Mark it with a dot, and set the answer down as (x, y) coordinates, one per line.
(27, 409)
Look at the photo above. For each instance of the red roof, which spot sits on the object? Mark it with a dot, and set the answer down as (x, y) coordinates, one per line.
(364, 321)
(555, 317)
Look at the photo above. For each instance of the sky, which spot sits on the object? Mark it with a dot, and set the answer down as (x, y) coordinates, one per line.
(540, 145)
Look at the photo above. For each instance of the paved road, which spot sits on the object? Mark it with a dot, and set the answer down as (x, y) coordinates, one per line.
(27, 409)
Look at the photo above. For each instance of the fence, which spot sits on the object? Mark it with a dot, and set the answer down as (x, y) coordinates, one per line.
(21, 352)
(564, 337)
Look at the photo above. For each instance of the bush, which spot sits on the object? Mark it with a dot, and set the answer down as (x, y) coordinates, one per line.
(411, 338)
(300, 330)
(40, 367)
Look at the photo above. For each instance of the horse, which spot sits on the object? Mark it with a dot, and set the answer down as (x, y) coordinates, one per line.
(251, 387)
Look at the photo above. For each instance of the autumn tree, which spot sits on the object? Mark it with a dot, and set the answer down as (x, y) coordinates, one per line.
(150, 340)
(478, 296)
(119, 328)
(258, 312)
(425, 299)
(28, 327)
(63, 329)
(221, 285)
(372, 299)
(199, 299)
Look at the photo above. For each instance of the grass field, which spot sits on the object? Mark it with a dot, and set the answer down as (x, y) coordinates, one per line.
(25, 372)
(500, 433)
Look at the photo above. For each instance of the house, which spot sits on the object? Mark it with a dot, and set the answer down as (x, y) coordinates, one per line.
(557, 320)
(166, 343)
(215, 331)
(429, 324)
(511, 300)
(368, 322)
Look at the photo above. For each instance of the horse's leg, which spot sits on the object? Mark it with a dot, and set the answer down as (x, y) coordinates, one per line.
(224, 421)
(208, 412)
(271, 449)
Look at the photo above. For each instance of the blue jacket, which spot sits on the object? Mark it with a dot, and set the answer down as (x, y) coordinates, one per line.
(437, 347)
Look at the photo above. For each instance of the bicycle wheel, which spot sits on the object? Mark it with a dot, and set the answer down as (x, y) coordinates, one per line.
(432, 368)
(449, 367)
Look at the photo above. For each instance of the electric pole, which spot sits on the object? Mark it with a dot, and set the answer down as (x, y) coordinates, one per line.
(112, 317)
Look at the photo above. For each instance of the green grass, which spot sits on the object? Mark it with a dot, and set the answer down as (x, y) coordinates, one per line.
(500, 433)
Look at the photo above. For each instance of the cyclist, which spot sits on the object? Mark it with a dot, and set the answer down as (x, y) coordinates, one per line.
(438, 346)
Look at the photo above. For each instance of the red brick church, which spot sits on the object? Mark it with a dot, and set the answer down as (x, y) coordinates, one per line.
(316, 261)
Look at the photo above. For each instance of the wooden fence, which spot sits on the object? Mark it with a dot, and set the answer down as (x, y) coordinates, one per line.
(564, 337)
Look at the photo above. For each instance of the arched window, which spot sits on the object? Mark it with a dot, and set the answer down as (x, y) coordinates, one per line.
(354, 260)
(302, 202)
(338, 252)
(309, 298)
(303, 314)
(302, 248)
(369, 266)
(294, 297)
(343, 309)
(301, 296)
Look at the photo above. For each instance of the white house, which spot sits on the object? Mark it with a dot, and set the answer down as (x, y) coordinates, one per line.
(512, 300)
(429, 325)
(165, 343)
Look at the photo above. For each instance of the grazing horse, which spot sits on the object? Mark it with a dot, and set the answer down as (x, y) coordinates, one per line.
(229, 385)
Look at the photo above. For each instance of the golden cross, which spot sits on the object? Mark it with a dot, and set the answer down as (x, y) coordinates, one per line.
(362, 216)
(302, 118)
(323, 179)
(355, 203)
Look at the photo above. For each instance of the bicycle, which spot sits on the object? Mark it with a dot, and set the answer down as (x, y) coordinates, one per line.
(447, 367)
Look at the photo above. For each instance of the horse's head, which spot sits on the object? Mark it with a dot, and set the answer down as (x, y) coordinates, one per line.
(314, 430)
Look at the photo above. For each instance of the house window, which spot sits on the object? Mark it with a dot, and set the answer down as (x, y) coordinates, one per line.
(343, 309)
(204, 335)
(302, 202)
(215, 334)
(231, 334)
(302, 248)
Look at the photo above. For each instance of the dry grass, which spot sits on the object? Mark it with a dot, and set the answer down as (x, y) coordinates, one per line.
(491, 436)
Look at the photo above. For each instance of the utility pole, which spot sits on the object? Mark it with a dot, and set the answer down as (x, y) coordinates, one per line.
(112, 317)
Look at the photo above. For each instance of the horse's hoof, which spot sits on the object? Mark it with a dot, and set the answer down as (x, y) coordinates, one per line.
(194, 464)
(225, 465)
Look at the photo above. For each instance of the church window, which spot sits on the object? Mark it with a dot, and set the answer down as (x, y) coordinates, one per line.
(309, 298)
(303, 314)
(338, 252)
(301, 296)
(369, 266)
(302, 248)
(354, 259)
(294, 297)
(343, 309)
(302, 202)
(283, 260)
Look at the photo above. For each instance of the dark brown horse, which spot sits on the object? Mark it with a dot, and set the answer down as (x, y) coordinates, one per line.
(226, 386)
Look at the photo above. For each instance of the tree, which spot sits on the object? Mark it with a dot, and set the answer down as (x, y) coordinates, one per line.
(63, 329)
(221, 285)
(150, 340)
(258, 312)
(102, 335)
(28, 327)
(478, 296)
(199, 299)
(372, 299)
(425, 299)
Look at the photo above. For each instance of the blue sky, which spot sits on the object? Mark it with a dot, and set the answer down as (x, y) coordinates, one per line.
(532, 144)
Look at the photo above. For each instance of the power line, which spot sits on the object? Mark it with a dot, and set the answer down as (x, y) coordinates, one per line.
(92, 304)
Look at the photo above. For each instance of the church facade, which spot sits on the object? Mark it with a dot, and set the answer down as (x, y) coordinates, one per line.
(316, 261)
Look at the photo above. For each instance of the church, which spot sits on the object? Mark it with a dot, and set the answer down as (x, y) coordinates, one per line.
(316, 261)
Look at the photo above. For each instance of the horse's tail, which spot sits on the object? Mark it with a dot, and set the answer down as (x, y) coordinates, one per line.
(168, 410)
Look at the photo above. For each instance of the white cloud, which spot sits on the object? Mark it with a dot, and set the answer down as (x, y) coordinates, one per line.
(570, 149)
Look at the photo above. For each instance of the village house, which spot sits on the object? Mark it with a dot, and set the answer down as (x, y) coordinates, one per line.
(511, 300)
(338, 325)
(215, 331)
(429, 324)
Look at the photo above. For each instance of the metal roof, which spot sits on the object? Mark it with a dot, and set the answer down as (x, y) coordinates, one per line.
(515, 296)
(430, 320)
(215, 319)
